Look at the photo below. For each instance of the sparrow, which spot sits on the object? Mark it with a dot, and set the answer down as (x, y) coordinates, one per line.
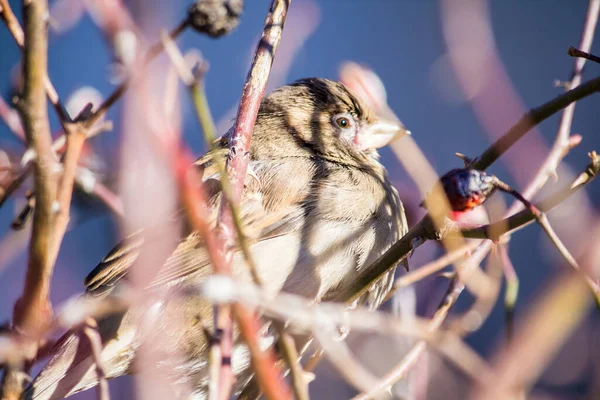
(317, 209)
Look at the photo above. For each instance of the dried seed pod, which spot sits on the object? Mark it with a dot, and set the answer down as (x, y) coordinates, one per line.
(467, 188)
(215, 17)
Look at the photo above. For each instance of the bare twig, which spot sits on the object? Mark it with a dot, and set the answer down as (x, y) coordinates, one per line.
(12, 23)
(542, 220)
(17, 32)
(431, 268)
(527, 357)
(122, 88)
(290, 354)
(91, 331)
(478, 313)
(199, 215)
(264, 363)
(562, 143)
(423, 230)
(524, 217)
(196, 87)
(512, 290)
(401, 369)
(573, 52)
(531, 119)
(237, 165)
(14, 27)
(52, 198)
(11, 119)
(33, 309)
(302, 315)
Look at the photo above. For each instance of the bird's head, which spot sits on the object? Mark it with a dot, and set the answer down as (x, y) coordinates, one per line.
(323, 116)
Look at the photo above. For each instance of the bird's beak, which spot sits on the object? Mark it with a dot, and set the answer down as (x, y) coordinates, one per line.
(380, 133)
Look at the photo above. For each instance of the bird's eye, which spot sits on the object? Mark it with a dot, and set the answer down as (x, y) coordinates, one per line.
(343, 122)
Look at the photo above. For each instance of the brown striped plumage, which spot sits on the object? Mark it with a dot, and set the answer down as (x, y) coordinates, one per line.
(317, 210)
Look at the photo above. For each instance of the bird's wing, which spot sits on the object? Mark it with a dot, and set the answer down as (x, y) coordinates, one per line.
(266, 213)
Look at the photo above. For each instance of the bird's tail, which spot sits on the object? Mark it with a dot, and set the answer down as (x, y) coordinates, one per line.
(73, 369)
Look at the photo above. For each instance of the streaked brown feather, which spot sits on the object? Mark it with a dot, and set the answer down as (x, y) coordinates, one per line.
(319, 212)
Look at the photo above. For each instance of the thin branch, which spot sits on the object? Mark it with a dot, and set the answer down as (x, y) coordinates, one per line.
(511, 292)
(237, 165)
(562, 143)
(198, 215)
(12, 23)
(423, 230)
(340, 356)
(87, 182)
(573, 52)
(431, 268)
(303, 316)
(98, 190)
(478, 313)
(33, 310)
(269, 376)
(91, 331)
(543, 221)
(524, 217)
(267, 379)
(196, 87)
(401, 369)
(540, 337)
(16, 31)
(290, 355)
(14, 27)
(152, 53)
(297, 311)
(11, 119)
(532, 118)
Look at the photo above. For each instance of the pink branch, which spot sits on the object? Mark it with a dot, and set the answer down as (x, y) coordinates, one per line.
(237, 164)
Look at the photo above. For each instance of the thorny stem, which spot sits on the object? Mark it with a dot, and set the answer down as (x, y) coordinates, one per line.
(237, 165)
(208, 127)
(267, 378)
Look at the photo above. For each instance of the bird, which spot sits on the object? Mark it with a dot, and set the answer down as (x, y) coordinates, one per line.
(317, 208)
